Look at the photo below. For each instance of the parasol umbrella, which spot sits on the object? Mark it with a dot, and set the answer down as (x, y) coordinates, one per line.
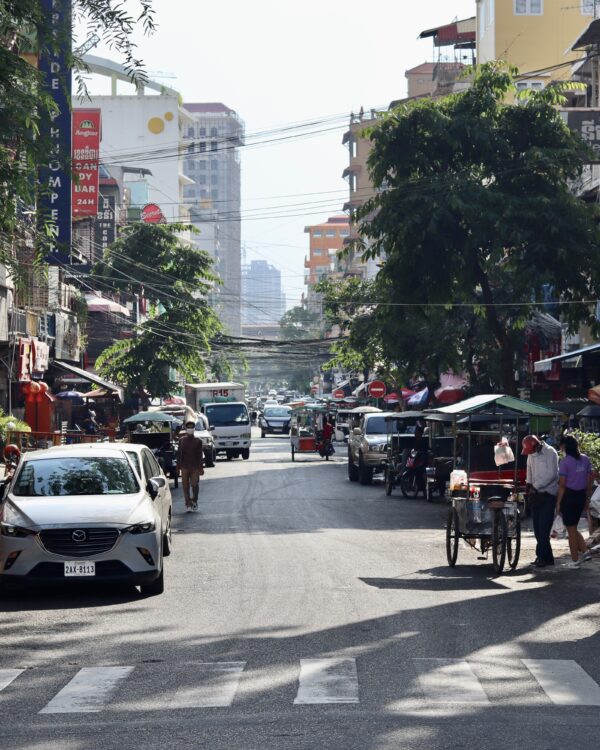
(73, 396)
(175, 401)
(449, 394)
(151, 416)
(594, 394)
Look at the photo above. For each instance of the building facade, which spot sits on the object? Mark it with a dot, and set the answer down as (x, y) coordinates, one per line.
(325, 243)
(212, 139)
(263, 301)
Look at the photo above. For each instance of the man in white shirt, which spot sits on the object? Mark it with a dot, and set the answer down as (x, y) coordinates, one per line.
(542, 486)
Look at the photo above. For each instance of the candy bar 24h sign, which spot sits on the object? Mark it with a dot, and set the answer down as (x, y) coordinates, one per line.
(54, 205)
(86, 153)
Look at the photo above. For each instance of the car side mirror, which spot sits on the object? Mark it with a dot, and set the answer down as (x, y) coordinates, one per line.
(356, 431)
(153, 487)
(211, 427)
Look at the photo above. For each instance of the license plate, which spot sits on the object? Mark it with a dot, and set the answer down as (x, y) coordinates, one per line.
(80, 568)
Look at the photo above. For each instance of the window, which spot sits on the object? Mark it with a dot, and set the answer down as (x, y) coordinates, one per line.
(213, 145)
(54, 477)
(317, 253)
(190, 131)
(529, 85)
(331, 233)
(227, 415)
(213, 132)
(214, 194)
(190, 148)
(529, 7)
(214, 164)
(317, 233)
(344, 232)
(214, 179)
(587, 7)
(201, 179)
(202, 147)
(201, 165)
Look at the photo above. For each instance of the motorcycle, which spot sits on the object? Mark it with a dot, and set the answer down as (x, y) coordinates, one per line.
(412, 479)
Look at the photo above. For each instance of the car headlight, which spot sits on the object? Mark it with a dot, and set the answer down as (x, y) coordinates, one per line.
(246, 436)
(142, 528)
(8, 529)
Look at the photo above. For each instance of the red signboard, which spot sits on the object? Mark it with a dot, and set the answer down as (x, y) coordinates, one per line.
(86, 154)
(151, 214)
(339, 394)
(377, 389)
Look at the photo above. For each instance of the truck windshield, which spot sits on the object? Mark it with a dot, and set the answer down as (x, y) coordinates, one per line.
(227, 415)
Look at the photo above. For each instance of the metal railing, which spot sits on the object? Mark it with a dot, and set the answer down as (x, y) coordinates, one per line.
(33, 441)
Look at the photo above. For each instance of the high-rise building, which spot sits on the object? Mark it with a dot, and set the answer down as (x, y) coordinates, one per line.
(212, 161)
(263, 301)
(326, 241)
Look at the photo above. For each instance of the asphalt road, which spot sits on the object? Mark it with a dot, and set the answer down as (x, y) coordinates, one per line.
(305, 612)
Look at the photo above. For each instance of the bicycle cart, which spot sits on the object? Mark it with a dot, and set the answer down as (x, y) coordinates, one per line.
(487, 489)
(306, 430)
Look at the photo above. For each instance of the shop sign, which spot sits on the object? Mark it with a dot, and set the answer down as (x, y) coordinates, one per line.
(151, 214)
(105, 225)
(86, 155)
(24, 361)
(41, 356)
(54, 204)
(377, 389)
(339, 394)
(586, 123)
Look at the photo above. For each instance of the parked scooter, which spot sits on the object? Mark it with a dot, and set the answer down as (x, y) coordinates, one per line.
(412, 479)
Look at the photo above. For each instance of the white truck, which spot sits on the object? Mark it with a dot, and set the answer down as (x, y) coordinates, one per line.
(224, 406)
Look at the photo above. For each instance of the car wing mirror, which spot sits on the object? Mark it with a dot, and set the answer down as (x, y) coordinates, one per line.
(153, 488)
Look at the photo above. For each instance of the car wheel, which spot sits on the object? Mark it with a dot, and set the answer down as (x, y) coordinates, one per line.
(167, 544)
(365, 473)
(229, 455)
(352, 470)
(156, 587)
(246, 454)
(263, 434)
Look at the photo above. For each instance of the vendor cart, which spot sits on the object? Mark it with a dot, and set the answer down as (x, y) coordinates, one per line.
(155, 430)
(306, 434)
(486, 488)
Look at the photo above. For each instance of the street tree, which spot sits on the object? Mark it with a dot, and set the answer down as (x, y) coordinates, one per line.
(176, 279)
(300, 323)
(474, 220)
(25, 103)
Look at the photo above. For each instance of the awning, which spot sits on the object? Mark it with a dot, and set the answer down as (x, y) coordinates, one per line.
(545, 365)
(95, 303)
(491, 400)
(90, 377)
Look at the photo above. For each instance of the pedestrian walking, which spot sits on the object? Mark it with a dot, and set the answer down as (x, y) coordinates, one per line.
(190, 462)
(542, 488)
(574, 492)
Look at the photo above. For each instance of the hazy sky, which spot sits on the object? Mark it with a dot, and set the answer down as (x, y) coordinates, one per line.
(278, 62)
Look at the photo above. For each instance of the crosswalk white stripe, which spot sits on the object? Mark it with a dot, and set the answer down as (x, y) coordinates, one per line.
(88, 691)
(449, 681)
(564, 682)
(8, 675)
(218, 684)
(327, 681)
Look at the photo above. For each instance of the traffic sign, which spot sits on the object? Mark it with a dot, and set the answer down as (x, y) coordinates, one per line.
(377, 389)
(340, 393)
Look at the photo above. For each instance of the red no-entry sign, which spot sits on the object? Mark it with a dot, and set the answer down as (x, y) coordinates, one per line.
(377, 389)
(339, 393)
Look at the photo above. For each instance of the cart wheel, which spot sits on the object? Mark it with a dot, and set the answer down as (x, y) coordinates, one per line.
(452, 537)
(513, 544)
(293, 454)
(389, 482)
(409, 484)
(499, 541)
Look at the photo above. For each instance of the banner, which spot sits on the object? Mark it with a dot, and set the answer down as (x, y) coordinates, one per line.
(54, 205)
(86, 154)
(105, 228)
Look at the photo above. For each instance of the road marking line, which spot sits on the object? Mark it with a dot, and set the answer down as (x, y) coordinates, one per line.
(8, 675)
(88, 691)
(449, 681)
(219, 684)
(327, 681)
(564, 682)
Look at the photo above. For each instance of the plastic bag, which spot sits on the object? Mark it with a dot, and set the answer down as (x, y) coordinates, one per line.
(503, 453)
(558, 528)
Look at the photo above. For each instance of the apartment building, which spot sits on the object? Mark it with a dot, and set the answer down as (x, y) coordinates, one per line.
(212, 139)
(326, 241)
(263, 300)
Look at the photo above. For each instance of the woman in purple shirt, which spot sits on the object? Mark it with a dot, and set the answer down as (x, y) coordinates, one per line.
(574, 492)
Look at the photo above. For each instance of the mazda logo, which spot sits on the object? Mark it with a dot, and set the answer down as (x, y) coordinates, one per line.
(79, 535)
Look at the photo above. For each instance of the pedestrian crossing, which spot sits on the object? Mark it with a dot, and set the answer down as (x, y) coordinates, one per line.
(318, 681)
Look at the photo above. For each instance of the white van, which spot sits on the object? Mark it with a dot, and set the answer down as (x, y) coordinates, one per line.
(229, 423)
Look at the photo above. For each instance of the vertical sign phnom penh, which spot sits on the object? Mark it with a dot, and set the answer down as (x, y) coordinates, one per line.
(54, 205)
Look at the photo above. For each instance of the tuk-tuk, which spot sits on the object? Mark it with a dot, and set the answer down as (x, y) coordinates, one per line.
(487, 483)
(306, 426)
(342, 425)
(155, 430)
(401, 467)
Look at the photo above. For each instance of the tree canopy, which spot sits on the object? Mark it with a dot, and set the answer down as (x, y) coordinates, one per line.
(474, 220)
(176, 279)
(25, 103)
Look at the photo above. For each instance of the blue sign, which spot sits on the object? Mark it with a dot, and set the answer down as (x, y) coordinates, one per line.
(54, 205)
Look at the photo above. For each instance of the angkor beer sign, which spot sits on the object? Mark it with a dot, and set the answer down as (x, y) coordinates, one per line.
(54, 203)
(86, 153)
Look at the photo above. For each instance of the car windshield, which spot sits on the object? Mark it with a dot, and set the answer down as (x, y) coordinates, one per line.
(376, 426)
(227, 415)
(280, 412)
(51, 477)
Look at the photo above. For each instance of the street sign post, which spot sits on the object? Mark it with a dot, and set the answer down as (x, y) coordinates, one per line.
(339, 393)
(377, 389)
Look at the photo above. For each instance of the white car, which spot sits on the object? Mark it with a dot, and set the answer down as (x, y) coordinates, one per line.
(100, 512)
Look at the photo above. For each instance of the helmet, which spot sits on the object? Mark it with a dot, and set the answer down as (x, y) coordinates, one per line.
(529, 445)
(11, 451)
